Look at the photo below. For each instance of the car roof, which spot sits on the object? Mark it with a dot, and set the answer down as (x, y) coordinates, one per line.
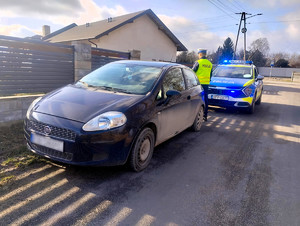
(148, 63)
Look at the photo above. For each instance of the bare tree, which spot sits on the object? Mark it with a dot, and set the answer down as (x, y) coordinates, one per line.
(262, 45)
(295, 60)
(187, 57)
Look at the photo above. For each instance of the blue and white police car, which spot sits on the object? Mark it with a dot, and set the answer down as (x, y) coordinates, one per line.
(237, 84)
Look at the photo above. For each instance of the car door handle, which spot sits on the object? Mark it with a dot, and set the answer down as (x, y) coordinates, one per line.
(188, 97)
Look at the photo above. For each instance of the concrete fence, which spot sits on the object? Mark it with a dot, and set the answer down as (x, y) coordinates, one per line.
(278, 72)
(15, 107)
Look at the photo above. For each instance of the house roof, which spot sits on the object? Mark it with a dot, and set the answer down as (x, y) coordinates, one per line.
(98, 29)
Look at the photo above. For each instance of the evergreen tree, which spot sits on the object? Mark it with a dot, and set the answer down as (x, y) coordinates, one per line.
(258, 58)
(282, 63)
(215, 57)
(227, 50)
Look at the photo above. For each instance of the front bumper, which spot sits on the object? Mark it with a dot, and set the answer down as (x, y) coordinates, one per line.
(229, 101)
(103, 148)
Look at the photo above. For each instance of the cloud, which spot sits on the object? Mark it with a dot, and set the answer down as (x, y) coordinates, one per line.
(279, 41)
(193, 35)
(273, 3)
(55, 12)
(14, 30)
(41, 7)
(90, 12)
(59, 12)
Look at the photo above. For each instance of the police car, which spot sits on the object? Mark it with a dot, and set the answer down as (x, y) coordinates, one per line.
(236, 83)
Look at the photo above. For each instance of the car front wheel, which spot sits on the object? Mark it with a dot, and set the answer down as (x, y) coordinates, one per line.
(142, 150)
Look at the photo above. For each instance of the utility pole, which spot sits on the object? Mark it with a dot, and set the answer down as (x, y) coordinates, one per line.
(244, 30)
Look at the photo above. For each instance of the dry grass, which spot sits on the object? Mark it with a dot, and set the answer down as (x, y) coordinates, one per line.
(277, 79)
(14, 156)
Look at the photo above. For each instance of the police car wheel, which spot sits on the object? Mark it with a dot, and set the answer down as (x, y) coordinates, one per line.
(252, 107)
(259, 100)
(198, 120)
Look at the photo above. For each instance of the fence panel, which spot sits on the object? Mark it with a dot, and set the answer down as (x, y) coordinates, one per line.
(28, 66)
(101, 57)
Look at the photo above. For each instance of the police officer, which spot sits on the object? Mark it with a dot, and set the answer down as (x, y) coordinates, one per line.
(203, 69)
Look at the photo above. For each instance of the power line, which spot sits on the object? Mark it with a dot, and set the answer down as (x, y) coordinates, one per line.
(198, 23)
(278, 21)
(208, 29)
(240, 5)
(226, 6)
(221, 9)
(236, 7)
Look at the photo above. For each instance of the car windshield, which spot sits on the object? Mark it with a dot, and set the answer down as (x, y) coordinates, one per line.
(232, 72)
(122, 77)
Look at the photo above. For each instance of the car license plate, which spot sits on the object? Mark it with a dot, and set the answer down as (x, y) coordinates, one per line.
(219, 97)
(47, 142)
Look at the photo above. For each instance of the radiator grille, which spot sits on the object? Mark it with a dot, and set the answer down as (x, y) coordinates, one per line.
(57, 132)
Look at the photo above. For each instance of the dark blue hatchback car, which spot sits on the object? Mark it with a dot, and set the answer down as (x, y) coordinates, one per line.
(115, 114)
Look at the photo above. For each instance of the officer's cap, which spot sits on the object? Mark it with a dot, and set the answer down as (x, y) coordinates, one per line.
(202, 51)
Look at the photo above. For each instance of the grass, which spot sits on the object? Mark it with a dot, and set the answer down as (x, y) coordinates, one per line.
(14, 156)
(277, 79)
(20, 94)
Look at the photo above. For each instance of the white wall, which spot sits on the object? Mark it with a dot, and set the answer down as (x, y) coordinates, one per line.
(277, 72)
(144, 35)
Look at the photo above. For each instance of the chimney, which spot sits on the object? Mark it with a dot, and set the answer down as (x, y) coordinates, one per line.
(46, 30)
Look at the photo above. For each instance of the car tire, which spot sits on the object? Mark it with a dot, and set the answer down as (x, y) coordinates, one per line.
(198, 120)
(252, 107)
(142, 150)
(259, 100)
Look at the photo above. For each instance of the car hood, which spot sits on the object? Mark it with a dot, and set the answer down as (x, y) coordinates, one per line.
(82, 104)
(230, 82)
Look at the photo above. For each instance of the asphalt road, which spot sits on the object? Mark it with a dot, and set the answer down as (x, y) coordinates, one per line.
(239, 170)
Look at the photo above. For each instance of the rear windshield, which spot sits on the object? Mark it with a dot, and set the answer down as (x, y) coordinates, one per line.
(122, 77)
(232, 72)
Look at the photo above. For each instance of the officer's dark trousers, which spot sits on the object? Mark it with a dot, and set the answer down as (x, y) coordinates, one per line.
(205, 87)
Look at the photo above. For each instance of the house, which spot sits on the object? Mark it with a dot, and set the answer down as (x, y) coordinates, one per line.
(142, 31)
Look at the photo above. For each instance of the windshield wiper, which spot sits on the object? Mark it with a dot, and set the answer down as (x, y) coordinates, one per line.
(122, 90)
(86, 84)
(114, 89)
(106, 88)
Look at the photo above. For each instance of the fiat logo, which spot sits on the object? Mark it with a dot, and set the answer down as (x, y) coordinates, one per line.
(47, 130)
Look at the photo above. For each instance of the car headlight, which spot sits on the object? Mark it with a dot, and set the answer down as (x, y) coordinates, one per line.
(247, 91)
(31, 106)
(108, 120)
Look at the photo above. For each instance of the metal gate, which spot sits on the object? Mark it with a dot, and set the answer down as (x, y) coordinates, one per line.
(101, 57)
(29, 66)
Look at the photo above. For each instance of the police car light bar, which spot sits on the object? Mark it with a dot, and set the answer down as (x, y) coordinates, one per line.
(237, 62)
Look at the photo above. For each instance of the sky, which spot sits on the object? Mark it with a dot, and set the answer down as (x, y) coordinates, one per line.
(196, 23)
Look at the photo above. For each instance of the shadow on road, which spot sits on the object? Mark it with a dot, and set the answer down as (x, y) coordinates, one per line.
(69, 195)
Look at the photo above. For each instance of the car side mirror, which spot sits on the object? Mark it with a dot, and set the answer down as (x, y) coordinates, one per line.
(260, 77)
(171, 94)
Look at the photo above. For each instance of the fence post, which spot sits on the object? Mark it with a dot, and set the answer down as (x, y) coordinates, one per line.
(82, 59)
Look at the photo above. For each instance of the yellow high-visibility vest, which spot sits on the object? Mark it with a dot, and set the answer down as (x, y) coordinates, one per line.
(204, 70)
